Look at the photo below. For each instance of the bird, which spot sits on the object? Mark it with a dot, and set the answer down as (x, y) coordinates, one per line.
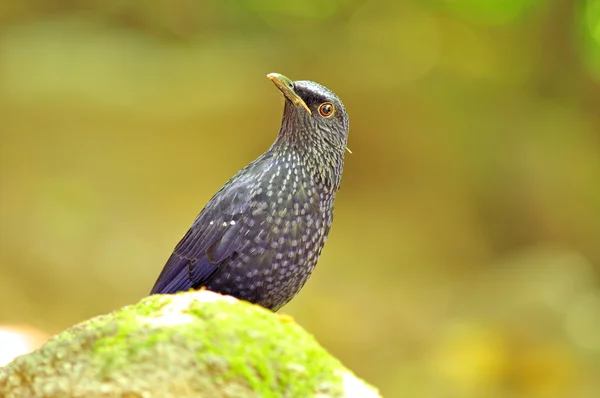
(259, 237)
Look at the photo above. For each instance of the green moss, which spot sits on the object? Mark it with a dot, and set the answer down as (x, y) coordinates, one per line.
(187, 345)
(150, 306)
(253, 337)
(243, 342)
(124, 335)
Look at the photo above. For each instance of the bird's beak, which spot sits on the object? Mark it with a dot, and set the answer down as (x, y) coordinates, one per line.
(286, 86)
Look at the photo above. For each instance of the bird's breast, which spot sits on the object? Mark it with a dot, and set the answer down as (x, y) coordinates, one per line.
(283, 232)
(290, 212)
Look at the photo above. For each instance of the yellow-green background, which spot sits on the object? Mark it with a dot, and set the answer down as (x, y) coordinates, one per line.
(465, 254)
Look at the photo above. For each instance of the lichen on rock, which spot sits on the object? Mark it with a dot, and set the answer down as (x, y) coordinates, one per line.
(193, 344)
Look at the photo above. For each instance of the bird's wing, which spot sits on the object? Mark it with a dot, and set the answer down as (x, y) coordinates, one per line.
(213, 238)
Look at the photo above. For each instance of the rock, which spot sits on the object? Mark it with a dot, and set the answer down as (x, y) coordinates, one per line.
(193, 344)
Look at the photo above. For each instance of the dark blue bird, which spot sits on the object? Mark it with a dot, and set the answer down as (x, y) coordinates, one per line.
(260, 236)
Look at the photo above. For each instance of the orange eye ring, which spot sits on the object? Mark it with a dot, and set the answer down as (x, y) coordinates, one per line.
(326, 109)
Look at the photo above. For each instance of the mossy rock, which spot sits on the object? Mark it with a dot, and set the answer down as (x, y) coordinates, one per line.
(193, 344)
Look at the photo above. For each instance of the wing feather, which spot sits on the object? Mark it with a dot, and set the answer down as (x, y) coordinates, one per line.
(212, 239)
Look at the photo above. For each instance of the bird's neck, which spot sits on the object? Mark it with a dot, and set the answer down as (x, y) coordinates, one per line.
(314, 155)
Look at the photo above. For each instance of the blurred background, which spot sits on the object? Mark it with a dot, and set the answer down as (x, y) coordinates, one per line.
(464, 260)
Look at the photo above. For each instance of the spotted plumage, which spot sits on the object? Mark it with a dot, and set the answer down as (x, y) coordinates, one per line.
(260, 236)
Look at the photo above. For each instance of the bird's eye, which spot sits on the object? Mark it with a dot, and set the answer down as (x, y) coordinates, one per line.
(326, 109)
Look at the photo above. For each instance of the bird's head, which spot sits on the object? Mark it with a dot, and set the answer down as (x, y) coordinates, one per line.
(313, 114)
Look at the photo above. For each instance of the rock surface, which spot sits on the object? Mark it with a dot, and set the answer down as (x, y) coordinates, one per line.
(193, 344)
